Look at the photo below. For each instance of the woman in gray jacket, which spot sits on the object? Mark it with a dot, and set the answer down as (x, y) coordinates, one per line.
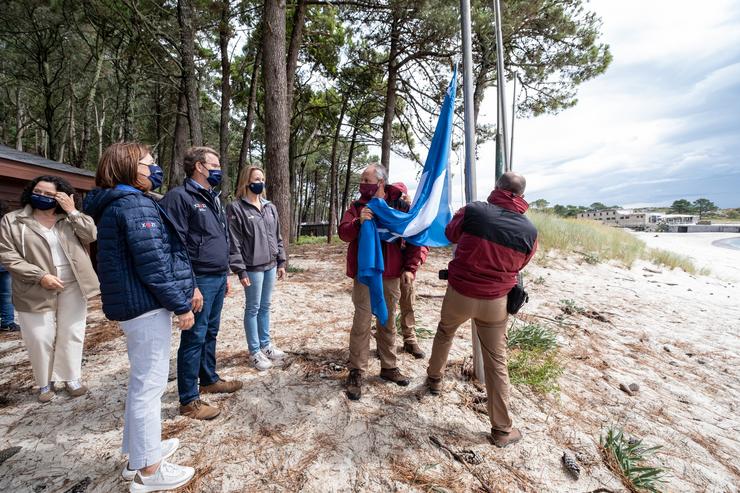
(43, 246)
(257, 256)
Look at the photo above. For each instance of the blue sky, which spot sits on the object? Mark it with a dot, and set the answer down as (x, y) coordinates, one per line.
(662, 123)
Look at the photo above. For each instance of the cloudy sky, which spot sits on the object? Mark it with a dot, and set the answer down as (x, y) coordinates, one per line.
(662, 123)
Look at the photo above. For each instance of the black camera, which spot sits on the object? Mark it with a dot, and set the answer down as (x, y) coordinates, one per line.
(443, 274)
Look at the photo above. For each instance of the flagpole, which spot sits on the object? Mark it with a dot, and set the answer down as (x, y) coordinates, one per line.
(501, 89)
(470, 181)
(513, 118)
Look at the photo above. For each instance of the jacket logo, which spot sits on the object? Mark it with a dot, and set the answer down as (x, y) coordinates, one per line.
(148, 225)
(200, 206)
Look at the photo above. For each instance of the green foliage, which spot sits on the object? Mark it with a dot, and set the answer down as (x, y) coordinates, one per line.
(540, 204)
(627, 458)
(421, 332)
(313, 240)
(703, 206)
(682, 206)
(570, 307)
(295, 270)
(536, 369)
(531, 336)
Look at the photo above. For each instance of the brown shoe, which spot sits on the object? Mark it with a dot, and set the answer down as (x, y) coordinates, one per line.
(77, 392)
(199, 409)
(394, 375)
(46, 396)
(413, 349)
(502, 439)
(354, 385)
(435, 385)
(221, 387)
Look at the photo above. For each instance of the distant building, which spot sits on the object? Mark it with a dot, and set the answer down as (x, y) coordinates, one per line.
(637, 219)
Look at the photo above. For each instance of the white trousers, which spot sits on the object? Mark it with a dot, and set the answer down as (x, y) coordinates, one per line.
(54, 338)
(148, 342)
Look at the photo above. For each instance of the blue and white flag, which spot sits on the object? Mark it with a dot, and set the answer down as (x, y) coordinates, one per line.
(430, 212)
(424, 224)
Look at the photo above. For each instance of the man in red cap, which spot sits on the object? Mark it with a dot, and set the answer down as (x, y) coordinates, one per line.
(398, 198)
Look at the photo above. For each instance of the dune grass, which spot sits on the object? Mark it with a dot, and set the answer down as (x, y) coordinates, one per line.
(597, 242)
(628, 459)
(534, 359)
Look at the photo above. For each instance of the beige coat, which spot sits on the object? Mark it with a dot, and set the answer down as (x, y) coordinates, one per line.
(25, 253)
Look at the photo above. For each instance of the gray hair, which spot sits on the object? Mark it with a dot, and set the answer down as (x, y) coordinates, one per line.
(380, 172)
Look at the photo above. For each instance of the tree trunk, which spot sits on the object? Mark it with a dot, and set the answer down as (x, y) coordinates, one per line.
(87, 115)
(179, 140)
(187, 44)
(247, 137)
(277, 125)
(19, 124)
(348, 175)
(333, 173)
(296, 38)
(390, 96)
(224, 34)
(99, 126)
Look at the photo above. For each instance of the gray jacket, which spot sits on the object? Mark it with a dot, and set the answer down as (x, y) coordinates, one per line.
(255, 243)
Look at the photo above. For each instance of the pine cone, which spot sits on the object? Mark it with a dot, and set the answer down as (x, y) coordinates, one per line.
(571, 466)
(7, 453)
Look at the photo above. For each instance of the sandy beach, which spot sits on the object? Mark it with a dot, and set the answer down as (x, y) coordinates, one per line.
(292, 429)
(723, 262)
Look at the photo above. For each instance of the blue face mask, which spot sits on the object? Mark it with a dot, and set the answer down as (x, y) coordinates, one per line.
(42, 202)
(156, 176)
(257, 187)
(214, 177)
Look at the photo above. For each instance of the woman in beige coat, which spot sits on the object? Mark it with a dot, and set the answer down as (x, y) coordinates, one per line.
(43, 246)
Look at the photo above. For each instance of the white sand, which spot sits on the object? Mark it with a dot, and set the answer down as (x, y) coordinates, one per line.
(723, 262)
(292, 428)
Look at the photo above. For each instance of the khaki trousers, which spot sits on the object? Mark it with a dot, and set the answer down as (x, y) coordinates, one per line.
(408, 320)
(490, 318)
(359, 337)
(54, 338)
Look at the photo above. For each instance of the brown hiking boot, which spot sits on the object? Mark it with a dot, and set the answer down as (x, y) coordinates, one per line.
(221, 387)
(413, 349)
(435, 385)
(394, 375)
(199, 409)
(76, 390)
(502, 439)
(354, 385)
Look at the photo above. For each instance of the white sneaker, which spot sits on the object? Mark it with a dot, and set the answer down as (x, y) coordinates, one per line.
(273, 353)
(260, 361)
(168, 477)
(168, 448)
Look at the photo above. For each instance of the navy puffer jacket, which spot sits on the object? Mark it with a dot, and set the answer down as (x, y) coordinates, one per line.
(142, 263)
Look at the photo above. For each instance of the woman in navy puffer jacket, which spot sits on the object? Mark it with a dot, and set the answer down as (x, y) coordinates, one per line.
(145, 276)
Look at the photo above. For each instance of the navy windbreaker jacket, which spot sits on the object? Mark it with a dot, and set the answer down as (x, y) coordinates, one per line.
(201, 222)
(142, 263)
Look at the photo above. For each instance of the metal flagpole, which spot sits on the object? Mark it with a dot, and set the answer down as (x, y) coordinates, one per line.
(513, 118)
(470, 182)
(501, 82)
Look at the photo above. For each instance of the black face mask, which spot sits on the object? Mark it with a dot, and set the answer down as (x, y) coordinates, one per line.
(257, 187)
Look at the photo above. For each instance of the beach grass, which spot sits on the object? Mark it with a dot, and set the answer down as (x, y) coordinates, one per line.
(534, 359)
(597, 242)
(532, 336)
(627, 458)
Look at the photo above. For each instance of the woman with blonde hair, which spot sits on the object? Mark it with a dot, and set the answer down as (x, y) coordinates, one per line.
(43, 246)
(257, 256)
(145, 277)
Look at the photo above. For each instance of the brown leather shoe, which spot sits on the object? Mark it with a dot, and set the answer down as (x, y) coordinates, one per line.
(502, 439)
(221, 387)
(413, 349)
(435, 385)
(199, 409)
(354, 385)
(394, 375)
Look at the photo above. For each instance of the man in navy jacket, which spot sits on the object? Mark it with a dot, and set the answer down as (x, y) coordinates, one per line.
(195, 208)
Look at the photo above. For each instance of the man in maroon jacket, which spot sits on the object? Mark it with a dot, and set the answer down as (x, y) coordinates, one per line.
(399, 263)
(494, 242)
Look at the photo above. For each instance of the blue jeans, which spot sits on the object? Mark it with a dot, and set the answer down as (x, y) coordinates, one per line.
(196, 356)
(257, 309)
(7, 316)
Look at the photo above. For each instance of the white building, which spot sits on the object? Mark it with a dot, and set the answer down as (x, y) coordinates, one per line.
(637, 219)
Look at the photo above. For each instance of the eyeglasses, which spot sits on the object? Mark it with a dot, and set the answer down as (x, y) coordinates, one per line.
(44, 193)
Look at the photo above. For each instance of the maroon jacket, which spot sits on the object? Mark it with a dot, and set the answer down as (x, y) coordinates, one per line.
(398, 257)
(495, 240)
